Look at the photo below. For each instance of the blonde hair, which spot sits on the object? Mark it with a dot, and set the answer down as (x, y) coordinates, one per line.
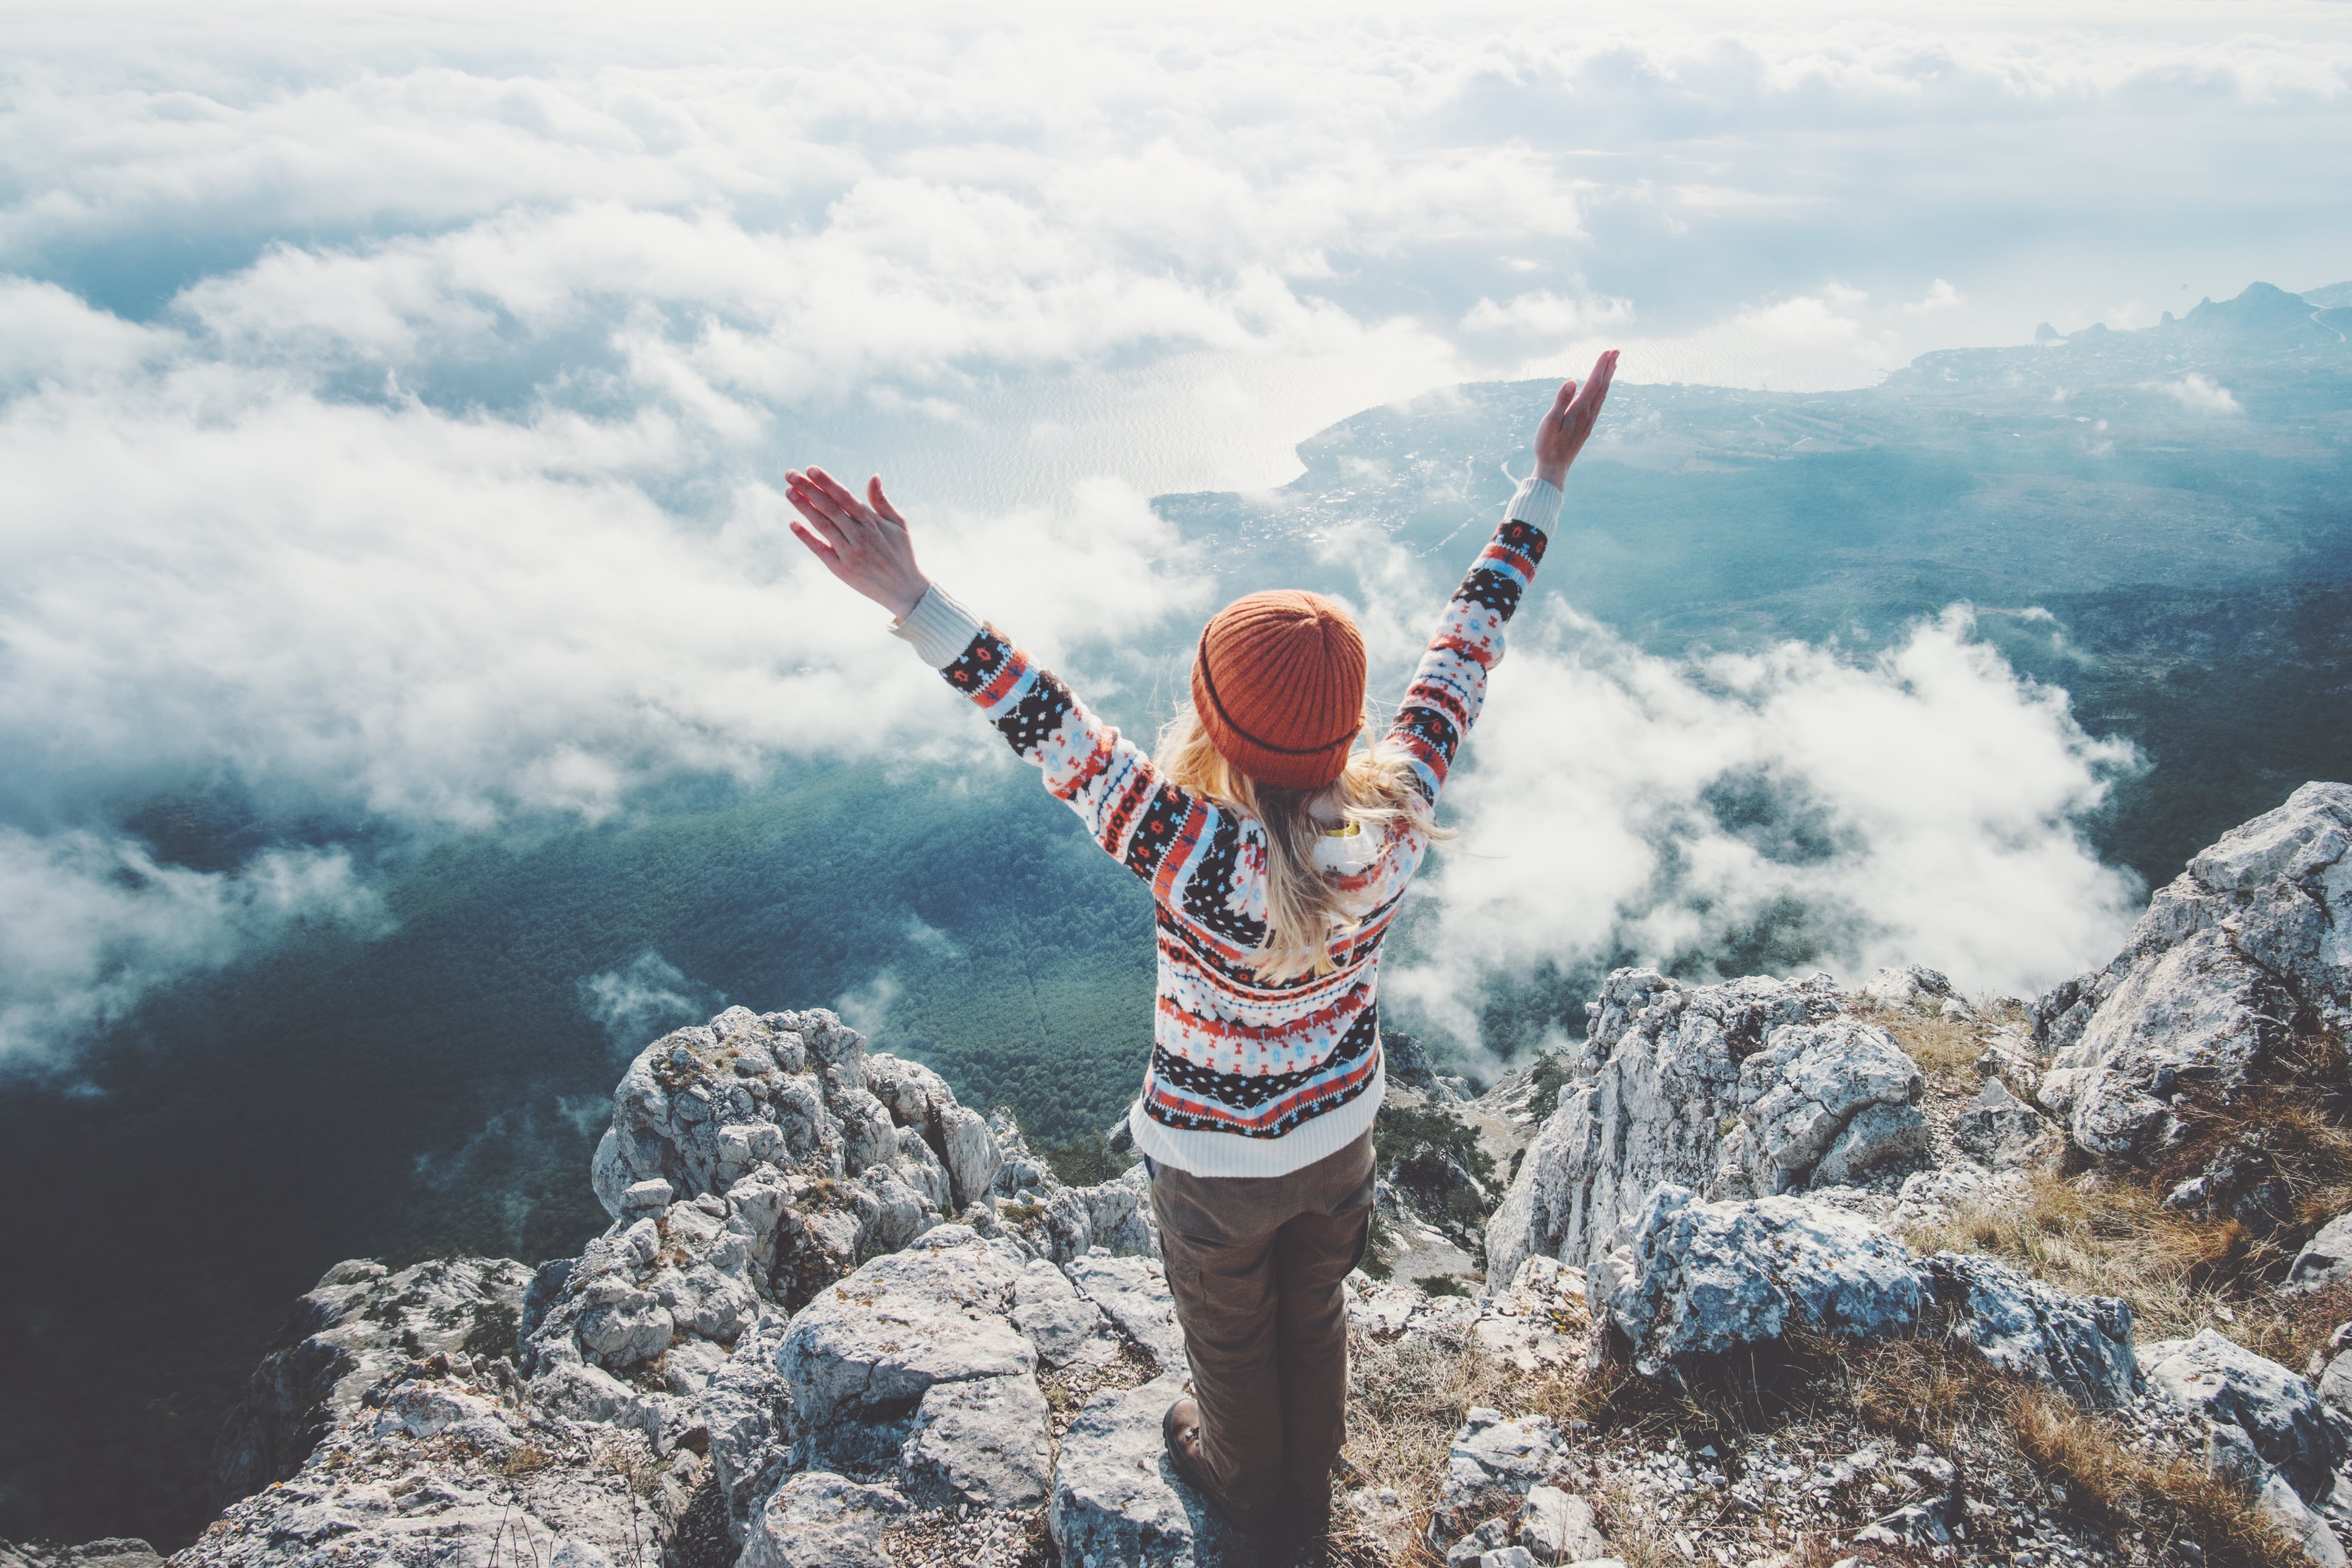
(1376, 792)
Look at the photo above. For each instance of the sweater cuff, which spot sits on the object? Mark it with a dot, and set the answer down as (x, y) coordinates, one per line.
(939, 628)
(1537, 504)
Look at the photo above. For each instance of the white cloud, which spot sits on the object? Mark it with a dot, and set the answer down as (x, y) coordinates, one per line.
(1922, 805)
(1940, 296)
(637, 1003)
(91, 923)
(867, 1009)
(2202, 396)
(424, 475)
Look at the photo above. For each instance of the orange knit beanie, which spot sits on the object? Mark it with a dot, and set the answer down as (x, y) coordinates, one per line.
(1278, 683)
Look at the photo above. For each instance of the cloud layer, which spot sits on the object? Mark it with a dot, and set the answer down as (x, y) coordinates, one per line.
(390, 408)
(1917, 805)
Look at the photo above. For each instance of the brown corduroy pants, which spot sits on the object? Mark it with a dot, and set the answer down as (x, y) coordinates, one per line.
(1255, 1265)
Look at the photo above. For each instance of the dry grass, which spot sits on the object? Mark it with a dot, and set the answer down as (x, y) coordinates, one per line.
(2167, 1498)
(1946, 1049)
(1930, 1388)
(2108, 1235)
(1405, 1401)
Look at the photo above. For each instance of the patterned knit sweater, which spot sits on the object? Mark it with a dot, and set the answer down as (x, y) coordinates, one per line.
(1248, 1077)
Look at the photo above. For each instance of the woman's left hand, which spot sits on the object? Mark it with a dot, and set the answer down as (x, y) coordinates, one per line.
(864, 543)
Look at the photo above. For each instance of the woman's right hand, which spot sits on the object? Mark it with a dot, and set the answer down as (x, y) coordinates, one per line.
(864, 543)
(1561, 433)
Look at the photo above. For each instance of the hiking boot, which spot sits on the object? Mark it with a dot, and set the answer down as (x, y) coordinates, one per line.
(1181, 1430)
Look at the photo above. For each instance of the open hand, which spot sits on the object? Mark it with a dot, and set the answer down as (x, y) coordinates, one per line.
(864, 543)
(1560, 434)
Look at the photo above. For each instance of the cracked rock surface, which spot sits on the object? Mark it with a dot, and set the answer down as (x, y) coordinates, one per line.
(2257, 931)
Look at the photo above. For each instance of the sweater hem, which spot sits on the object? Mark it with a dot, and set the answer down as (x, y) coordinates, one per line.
(1231, 1155)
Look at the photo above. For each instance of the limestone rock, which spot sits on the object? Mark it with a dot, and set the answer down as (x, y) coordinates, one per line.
(1555, 1526)
(443, 1464)
(1916, 985)
(1999, 1128)
(819, 1520)
(2080, 1345)
(778, 1323)
(1117, 1503)
(1133, 1293)
(2278, 1504)
(985, 1442)
(2282, 1414)
(1879, 1135)
(860, 1357)
(1652, 1094)
(2326, 1259)
(1067, 1329)
(111, 1551)
(1536, 1323)
(1701, 1279)
(746, 1409)
(1802, 1096)
(1491, 1460)
(2335, 1383)
(2256, 930)
(355, 1326)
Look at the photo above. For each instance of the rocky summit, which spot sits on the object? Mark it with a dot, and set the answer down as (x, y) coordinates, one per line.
(1775, 1273)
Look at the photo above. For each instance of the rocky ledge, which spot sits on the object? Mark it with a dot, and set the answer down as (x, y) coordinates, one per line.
(1784, 1273)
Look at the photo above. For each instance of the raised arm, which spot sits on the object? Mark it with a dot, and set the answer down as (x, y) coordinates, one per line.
(1148, 824)
(1450, 686)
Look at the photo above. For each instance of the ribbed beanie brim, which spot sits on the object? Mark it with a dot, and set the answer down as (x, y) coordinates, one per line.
(1278, 683)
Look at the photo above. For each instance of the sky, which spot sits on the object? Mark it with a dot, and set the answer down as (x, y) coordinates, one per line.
(393, 404)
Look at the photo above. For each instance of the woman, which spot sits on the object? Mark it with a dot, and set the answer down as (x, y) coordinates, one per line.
(1277, 851)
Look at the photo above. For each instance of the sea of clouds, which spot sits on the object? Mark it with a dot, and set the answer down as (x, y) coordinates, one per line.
(392, 409)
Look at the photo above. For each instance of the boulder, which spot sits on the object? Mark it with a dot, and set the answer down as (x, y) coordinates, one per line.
(2326, 1259)
(1916, 985)
(1492, 1464)
(985, 1442)
(443, 1463)
(2254, 934)
(1999, 1128)
(1652, 1095)
(1700, 1279)
(1133, 1293)
(860, 1357)
(2296, 1434)
(746, 1411)
(819, 1520)
(1879, 1136)
(1556, 1526)
(2080, 1345)
(2283, 1511)
(1117, 1503)
(1067, 1329)
(731, 1339)
(111, 1551)
(1837, 1086)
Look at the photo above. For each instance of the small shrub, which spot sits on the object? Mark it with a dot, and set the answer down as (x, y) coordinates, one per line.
(1426, 1152)
(1440, 1284)
(1087, 1161)
(1549, 1077)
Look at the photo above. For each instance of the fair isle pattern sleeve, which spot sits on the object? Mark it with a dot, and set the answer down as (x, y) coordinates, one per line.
(1146, 825)
(1450, 686)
